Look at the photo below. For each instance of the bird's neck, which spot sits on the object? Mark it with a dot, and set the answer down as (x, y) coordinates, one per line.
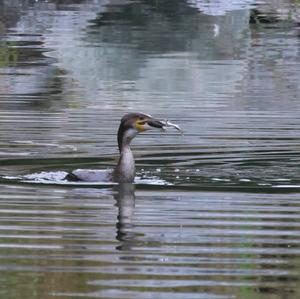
(125, 170)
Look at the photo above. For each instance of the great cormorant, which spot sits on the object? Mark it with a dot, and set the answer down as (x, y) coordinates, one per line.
(131, 125)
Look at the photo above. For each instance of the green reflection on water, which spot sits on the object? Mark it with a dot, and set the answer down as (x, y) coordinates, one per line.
(8, 54)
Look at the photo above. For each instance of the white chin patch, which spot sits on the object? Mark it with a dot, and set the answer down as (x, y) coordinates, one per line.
(147, 127)
(131, 133)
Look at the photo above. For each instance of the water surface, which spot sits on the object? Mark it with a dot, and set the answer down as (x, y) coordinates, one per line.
(214, 212)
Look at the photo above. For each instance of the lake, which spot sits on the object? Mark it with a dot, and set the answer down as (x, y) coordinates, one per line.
(214, 212)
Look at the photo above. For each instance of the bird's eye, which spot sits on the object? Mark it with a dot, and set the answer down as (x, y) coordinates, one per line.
(142, 123)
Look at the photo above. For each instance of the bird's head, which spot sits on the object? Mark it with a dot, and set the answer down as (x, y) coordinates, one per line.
(134, 123)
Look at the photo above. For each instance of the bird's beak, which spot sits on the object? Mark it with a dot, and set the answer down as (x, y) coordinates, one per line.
(164, 124)
(148, 124)
(154, 123)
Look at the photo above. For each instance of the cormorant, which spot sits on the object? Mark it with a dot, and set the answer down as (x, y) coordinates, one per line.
(131, 125)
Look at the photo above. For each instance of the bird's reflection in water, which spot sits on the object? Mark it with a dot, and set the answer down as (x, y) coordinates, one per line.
(125, 201)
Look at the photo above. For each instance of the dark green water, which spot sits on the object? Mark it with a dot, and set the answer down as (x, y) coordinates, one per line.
(214, 213)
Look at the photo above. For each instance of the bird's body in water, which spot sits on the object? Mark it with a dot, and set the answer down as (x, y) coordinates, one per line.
(131, 125)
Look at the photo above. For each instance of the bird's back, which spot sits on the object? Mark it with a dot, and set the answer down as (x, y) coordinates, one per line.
(88, 175)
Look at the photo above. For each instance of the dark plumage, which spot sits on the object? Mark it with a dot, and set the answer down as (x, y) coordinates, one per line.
(131, 124)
